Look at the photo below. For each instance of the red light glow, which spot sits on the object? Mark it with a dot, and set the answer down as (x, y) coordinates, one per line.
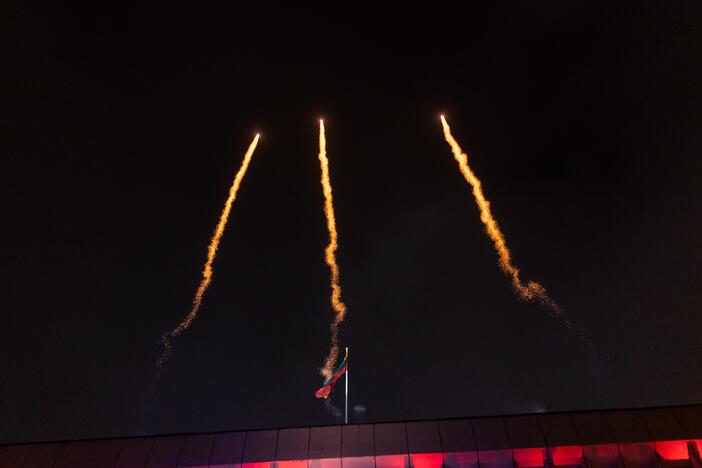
(528, 457)
(257, 465)
(427, 460)
(673, 450)
(636, 454)
(292, 464)
(391, 461)
(566, 455)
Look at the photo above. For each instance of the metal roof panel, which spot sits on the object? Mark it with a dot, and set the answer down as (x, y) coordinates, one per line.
(293, 444)
(325, 442)
(423, 437)
(490, 434)
(457, 435)
(260, 446)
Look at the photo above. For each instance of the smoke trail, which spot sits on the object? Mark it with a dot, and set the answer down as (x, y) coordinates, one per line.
(332, 409)
(529, 291)
(167, 338)
(330, 257)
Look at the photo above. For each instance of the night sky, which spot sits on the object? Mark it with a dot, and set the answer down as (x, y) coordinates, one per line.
(124, 126)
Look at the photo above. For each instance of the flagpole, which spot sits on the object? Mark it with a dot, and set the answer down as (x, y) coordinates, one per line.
(346, 405)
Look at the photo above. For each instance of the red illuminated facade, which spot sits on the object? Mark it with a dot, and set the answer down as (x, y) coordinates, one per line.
(643, 438)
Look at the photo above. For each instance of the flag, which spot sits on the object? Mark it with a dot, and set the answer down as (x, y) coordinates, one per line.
(328, 386)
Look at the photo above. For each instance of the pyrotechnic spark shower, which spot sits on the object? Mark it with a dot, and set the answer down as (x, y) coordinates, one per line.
(529, 291)
(167, 339)
(330, 258)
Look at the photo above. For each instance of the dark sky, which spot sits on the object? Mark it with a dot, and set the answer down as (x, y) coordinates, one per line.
(124, 126)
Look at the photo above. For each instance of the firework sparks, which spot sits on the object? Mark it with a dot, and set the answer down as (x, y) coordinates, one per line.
(529, 291)
(330, 257)
(167, 339)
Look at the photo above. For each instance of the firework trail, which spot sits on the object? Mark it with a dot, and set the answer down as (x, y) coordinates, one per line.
(330, 257)
(529, 291)
(167, 339)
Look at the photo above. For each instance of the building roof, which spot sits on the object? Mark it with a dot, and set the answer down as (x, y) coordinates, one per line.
(631, 438)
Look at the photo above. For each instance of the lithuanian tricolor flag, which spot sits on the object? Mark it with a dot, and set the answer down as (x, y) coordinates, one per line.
(331, 381)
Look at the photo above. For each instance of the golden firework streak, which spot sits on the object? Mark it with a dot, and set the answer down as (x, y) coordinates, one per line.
(330, 257)
(211, 253)
(532, 290)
